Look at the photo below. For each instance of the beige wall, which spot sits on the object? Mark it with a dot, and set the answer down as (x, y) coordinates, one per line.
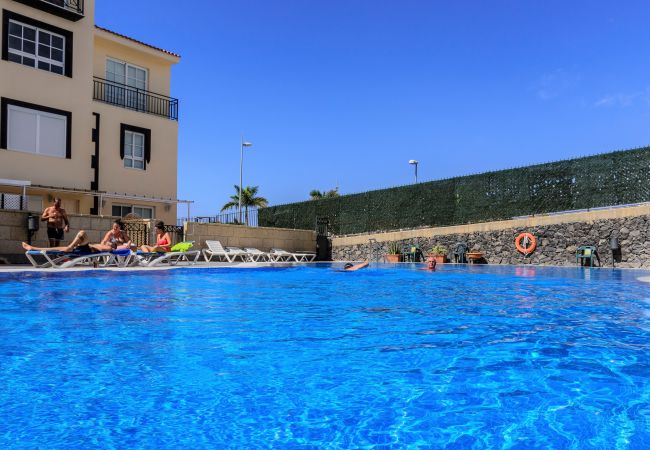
(159, 180)
(13, 230)
(157, 64)
(91, 48)
(260, 238)
(527, 222)
(37, 86)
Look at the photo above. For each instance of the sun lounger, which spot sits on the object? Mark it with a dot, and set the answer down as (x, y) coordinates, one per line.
(305, 256)
(42, 259)
(55, 259)
(241, 253)
(257, 255)
(282, 255)
(279, 255)
(182, 254)
(216, 250)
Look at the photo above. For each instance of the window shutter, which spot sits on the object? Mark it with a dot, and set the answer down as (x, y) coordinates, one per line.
(122, 130)
(147, 147)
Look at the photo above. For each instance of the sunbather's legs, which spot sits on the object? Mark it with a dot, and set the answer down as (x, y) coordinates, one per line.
(80, 239)
(152, 249)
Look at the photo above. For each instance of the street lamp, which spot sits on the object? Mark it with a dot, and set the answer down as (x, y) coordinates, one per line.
(241, 171)
(415, 163)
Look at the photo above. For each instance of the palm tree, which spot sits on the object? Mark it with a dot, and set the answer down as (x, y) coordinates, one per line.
(317, 195)
(248, 198)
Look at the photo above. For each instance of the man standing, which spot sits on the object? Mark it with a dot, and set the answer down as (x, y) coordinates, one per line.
(57, 222)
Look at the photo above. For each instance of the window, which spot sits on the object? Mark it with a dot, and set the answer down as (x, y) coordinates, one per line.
(135, 147)
(36, 48)
(30, 128)
(36, 44)
(124, 210)
(129, 84)
(134, 150)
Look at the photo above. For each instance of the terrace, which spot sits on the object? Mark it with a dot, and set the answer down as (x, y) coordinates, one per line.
(130, 97)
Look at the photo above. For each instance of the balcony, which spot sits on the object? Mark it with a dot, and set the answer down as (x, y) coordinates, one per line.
(68, 9)
(128, 97)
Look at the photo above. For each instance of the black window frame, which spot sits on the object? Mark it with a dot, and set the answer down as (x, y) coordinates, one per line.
(5, 102)
(147, 141)
(68, 35)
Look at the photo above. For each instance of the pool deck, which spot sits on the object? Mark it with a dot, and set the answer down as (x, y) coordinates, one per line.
(198, 265)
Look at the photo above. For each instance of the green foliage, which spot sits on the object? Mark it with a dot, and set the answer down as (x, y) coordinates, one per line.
(595, 181)
(317, 195)
(394, 248)
(248, 199)
(439, 250)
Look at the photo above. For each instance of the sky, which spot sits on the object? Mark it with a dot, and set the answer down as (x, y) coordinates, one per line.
(345, 92)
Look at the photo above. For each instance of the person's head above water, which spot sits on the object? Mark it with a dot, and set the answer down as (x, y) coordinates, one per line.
(347, 265)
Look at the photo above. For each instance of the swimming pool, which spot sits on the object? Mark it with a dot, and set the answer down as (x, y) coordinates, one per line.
(466, 357)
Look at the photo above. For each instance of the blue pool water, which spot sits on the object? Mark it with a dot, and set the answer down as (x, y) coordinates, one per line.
(466, 357)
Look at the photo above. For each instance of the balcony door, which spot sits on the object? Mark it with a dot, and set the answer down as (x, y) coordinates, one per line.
(127, 84)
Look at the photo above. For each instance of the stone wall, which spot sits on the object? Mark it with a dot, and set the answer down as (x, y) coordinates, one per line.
(556, 242)
(258, 237)
(13, 231)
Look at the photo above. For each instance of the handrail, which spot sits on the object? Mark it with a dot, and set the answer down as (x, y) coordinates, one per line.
(130, 97)
(70, 5)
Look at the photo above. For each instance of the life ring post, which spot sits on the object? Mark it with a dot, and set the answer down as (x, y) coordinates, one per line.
(525, 243)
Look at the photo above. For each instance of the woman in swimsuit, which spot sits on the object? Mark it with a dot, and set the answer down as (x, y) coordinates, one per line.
(163, 240)
(116, 238)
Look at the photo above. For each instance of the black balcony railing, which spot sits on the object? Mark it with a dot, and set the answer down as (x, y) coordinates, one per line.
(68, 9)
(76, 6)
(119, 94)
(232, 217)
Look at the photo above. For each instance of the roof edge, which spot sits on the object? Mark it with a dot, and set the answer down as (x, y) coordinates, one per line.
(162, 50)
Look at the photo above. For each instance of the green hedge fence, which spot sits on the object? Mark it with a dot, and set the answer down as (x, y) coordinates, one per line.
(609, 179)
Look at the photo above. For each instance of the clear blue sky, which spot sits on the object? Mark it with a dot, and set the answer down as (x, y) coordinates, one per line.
(347, 91)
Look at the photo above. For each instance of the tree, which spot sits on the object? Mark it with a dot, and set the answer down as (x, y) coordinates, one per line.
(248, 199)
(317, 195)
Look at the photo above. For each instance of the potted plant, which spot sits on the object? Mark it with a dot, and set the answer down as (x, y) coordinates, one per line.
(439, 253)
(474, 256)
(394, 251)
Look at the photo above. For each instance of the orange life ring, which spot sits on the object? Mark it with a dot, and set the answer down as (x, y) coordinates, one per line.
(529, 243)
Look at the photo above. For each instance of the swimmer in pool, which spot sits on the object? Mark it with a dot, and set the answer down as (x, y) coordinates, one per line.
(431, 264)
(349, 267)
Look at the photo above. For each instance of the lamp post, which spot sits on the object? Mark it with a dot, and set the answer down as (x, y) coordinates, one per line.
(415, 163)
(241, 171)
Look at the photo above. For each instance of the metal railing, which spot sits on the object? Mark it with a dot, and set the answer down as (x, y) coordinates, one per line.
(129, 97)
(231, 217)
(76, 6)
(13, 201)
(141, 232)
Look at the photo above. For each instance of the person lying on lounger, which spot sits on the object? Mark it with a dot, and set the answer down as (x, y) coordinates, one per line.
(163, 241)
(115, 239)
(80, 244)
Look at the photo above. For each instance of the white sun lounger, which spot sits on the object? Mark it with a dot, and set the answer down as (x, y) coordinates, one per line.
(257, 255)
(216, 250)
(279, 255)
(173, 258)
(55, 259)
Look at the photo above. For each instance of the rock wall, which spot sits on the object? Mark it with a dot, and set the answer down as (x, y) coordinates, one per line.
(556, 243)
